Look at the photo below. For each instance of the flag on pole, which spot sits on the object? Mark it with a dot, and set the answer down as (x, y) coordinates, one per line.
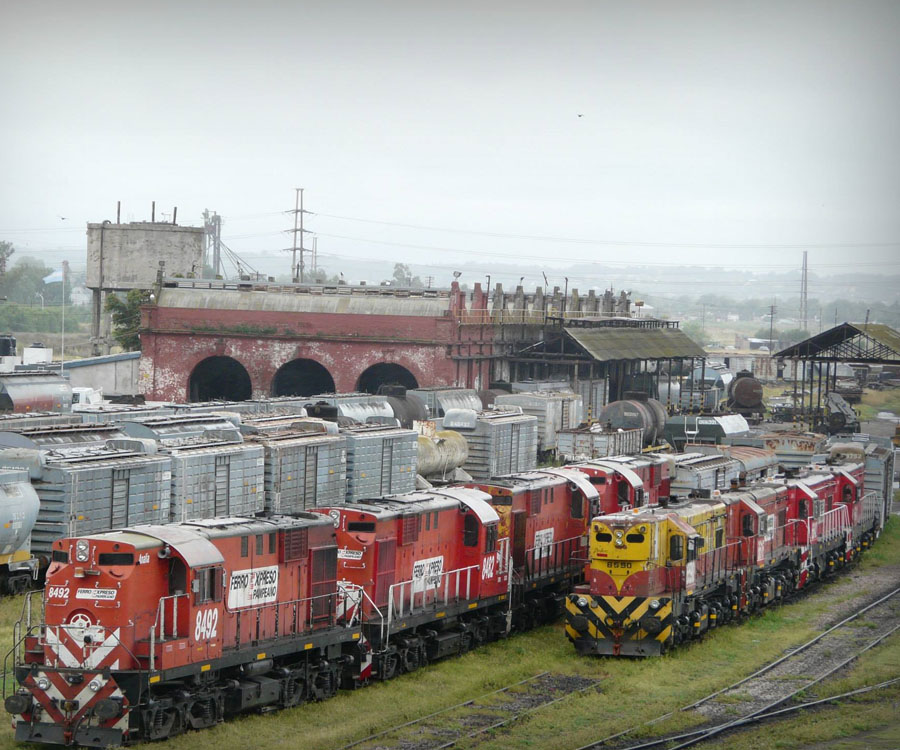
(55, 276)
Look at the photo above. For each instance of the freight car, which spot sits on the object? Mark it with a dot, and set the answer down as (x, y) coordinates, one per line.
(658, 577)
(25, 391)
(745, 396)
(639, 412)
(19, 506)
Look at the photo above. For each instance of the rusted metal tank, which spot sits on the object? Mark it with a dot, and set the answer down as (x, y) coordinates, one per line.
(648, 415)
(440, 454)
(745, 393)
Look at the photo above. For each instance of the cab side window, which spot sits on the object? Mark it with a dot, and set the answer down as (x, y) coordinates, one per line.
(470, 531)
(490, 538)
(747, 525)
(208, 585)
(676, 548)
(577, 507)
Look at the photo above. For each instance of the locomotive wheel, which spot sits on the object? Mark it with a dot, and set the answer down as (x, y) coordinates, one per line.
(295, 691)
(480, 633)
(203, 712)
(389, 666)
(526, 617)
(164, 722)
(325, 683)
(413, 655)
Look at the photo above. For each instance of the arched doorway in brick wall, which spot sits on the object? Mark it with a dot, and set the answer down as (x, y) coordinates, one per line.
(302, 377)
(219, 378)
(385, 373)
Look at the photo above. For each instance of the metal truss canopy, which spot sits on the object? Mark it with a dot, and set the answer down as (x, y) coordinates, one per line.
(871, 343)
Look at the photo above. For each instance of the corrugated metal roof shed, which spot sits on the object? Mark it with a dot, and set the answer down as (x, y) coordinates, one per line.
(610, 344)
(850, 342)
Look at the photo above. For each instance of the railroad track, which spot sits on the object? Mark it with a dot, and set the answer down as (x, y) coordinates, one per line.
(759, 695)
(445, 728)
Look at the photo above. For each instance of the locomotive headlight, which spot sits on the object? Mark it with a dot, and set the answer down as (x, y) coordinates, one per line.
(619, 533)
(95, 685)
(43, 683)
(654, 604)
(82, 550)
(582, 602)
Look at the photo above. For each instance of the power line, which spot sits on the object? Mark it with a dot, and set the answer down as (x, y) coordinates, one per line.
(633, 263)
(629, 243)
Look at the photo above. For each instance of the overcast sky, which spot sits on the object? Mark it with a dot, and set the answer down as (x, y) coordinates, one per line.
(635, 127)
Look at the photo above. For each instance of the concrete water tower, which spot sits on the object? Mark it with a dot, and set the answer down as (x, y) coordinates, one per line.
(121, 257)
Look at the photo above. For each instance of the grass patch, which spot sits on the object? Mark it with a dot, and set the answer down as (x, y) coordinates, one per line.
(865, 721)
(630, 692)
(875, 401)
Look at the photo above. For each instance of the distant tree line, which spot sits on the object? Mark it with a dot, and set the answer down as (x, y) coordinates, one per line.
(23, 281)
(715, 306)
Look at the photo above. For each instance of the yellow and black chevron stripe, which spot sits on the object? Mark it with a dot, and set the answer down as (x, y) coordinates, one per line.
(619, 625)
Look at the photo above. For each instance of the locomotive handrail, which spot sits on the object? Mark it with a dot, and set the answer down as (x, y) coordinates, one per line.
(871, 506)
(423, 586)
(160, 622)
(721, 560)
(555, 560)
(381, 626)
(27, 612)
(832, 524)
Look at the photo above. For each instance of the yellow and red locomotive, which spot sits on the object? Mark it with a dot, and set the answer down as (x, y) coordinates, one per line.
(660, 576)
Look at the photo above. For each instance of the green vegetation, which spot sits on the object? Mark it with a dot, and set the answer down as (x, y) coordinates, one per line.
(876, 401)
(240, 328)
(126, 317)
(24, 283)
(630, 691)
(15, 317)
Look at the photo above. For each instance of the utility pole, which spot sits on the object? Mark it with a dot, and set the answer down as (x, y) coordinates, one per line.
(212, 223)
(297, 271)
(703, 319)
(298, 266)
(772, 309)
(804, 290)
(429, 280)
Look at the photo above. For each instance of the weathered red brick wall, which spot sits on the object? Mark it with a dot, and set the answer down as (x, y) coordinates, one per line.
(175, 340)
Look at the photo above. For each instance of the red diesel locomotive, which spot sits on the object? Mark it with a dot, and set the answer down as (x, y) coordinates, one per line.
(155, 629)
(149, 631)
